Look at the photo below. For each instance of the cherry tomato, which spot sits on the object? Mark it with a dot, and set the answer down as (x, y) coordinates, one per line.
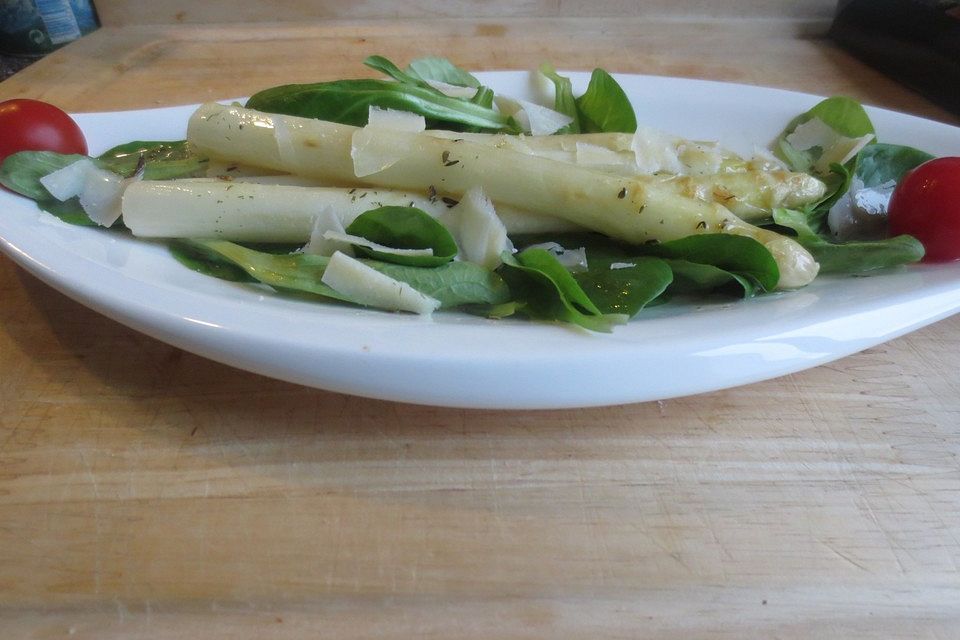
(926, 205)
(31, 125)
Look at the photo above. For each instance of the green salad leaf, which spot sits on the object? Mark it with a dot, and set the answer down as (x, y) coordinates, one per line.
(625, 287)
(623, 279)
(197, 257)
(616, 279)
(844, 115)
(21, 172)
(605, 107)
(348, 101)
(164, 160)
(849, 257)
(404, 228)
(483, 97)
(838, 182)
(564, 101)
(695, 277)
(70, 211)
(880, 163)
(545, 290)
(739, 255)
(441, 70)
(386, 67)
(454, 284)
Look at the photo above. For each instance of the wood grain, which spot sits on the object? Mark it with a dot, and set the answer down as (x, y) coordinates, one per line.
(146, 66)
(126, 13)
(148, 493)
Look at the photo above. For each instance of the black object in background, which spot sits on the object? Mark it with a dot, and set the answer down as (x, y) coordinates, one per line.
(917, 42)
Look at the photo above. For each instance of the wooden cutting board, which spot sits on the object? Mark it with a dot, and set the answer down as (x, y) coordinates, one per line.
(148, 493)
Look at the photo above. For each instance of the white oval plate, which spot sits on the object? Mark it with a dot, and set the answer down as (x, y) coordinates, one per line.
(463, 361)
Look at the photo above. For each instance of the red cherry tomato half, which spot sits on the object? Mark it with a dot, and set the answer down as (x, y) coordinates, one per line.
(926, 205)
(31, 125)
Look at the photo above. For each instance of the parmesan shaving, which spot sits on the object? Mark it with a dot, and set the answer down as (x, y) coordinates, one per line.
(396, 120)
(67, 182)
(326, 221)
(532, 118)
(656, 152)
(835, 148)
(480, 234)
(369, 157)
(360, 241)
(597, 156)
(842, 152)
(542, 88)
(452, 90)
(284, 140)
(543, 121)
(100, 191)
(367, 286)
(812, 133)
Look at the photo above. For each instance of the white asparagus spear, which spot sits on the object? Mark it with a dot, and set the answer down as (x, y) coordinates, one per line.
(634, 210)
(751, 194)
(696, 169)
(516, 221)
(248, 211)
(276, 208)
(646, 151)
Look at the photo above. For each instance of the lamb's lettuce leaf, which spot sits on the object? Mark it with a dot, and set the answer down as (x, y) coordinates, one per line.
(735, 254)
(880, 163)
(545, 290)
(605, 107)
(404, 228)
(441, 70)
(564, 101)
(349, 101)
(21, 172)
(623, 278)
(163, 160)
(849, 257)
(453, 284)
(625, 286)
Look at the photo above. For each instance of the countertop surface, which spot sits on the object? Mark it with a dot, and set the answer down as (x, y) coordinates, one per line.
(146, 492)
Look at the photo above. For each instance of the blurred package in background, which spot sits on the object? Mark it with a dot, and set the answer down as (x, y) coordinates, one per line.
(36, 27)
(916, 42)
